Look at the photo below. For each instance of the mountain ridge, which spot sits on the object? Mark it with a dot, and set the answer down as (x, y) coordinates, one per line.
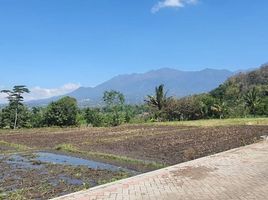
(136, 86)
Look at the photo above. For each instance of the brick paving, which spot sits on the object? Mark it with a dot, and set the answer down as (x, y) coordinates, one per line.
(240, 173)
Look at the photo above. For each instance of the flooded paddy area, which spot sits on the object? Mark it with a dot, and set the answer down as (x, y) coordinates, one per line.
(43, 175)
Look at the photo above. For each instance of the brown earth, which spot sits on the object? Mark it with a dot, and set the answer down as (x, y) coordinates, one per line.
(163, 144)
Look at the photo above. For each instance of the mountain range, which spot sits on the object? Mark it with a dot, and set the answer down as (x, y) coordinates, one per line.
(137, 86)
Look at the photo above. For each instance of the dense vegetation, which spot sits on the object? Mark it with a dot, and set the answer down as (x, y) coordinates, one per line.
(243, 95)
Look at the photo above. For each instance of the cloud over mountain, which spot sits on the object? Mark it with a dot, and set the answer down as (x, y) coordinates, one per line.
(43, 93)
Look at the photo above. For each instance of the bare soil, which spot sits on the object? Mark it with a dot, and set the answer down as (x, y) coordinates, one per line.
(162, 144)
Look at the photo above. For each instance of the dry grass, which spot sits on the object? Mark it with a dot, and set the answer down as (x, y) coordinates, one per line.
(218, 122)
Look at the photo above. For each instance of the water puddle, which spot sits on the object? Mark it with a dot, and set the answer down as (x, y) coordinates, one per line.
(49, 171)
(74, 161)
(17, 161)
(37, 160)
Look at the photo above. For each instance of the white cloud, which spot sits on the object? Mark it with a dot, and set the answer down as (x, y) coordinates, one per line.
(172, 4)
(2, 98)
(43, 93)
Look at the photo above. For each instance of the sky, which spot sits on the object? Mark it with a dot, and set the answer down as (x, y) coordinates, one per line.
(56, 46)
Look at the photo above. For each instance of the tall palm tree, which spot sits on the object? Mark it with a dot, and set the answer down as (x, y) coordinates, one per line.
(252, 100)
(219, 109)
(159, 100)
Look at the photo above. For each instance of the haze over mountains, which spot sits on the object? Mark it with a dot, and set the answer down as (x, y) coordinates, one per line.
(137, 86)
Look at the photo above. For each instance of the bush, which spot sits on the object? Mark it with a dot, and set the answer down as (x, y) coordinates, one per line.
(62, 112)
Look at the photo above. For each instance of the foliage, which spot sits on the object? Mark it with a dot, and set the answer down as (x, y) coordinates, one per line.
(187, 108)
(94, 117)
(158, 102)
(115, 102)
(113, 98)
(37, 117)
(15, 111)
(252, 100)
(62, 112)
(243, 95)
(245, 90)
(8, 114)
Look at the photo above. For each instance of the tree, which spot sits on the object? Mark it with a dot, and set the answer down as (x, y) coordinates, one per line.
(115, 102)
(190, 108)
(252, 100)
(37, 117)
(15, 99)
(219, 109)
(94, 117)
(158, 101)
(8, 116)
(113, 98)
(62, 112)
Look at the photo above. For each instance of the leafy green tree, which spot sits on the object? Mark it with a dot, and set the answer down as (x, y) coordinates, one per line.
(37, 117)
(113, 99)
(62, 112)
(220, 110)
(8, 115)
(190, 108)
(115, 102)
(15, 98)
(94, 117)
(252, 100)
(262, 108)
(172, 110)
(207, 101)
(129, 113)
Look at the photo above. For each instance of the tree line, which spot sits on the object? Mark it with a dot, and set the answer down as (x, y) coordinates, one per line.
(244, 95)
(65, 112)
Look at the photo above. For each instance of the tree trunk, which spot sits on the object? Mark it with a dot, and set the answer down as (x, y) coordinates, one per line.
(16, 118)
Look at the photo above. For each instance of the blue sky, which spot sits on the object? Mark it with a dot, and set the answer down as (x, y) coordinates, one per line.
(54, 46)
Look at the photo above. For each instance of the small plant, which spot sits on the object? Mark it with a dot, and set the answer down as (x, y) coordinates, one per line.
(66, 147)
(86, 186)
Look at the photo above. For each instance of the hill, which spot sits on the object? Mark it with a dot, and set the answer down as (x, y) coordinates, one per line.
(240, 84)
(245, 90)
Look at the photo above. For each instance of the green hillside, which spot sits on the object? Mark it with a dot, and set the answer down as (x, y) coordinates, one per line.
(245, 93)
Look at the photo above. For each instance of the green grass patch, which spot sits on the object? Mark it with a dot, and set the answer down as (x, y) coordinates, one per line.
(109, 157)
(217, 122)
(67, 148)
(19, 147)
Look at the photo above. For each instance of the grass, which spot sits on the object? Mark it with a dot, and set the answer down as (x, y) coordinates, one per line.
(198, 123)
(18, 147)
(46, 130)
(218, 122)
(67, 148)
(110, 157)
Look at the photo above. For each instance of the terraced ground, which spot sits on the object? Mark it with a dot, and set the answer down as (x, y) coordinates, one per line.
(132, 148)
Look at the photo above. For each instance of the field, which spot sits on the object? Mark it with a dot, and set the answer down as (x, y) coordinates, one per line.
(42, 163)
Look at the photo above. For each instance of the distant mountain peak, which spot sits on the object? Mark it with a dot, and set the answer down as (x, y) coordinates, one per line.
(136, 86)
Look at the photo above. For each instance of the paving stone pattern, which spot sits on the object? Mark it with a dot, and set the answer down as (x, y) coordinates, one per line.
(236, 174)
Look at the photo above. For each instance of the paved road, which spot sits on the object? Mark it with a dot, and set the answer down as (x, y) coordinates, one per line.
(236, 174)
